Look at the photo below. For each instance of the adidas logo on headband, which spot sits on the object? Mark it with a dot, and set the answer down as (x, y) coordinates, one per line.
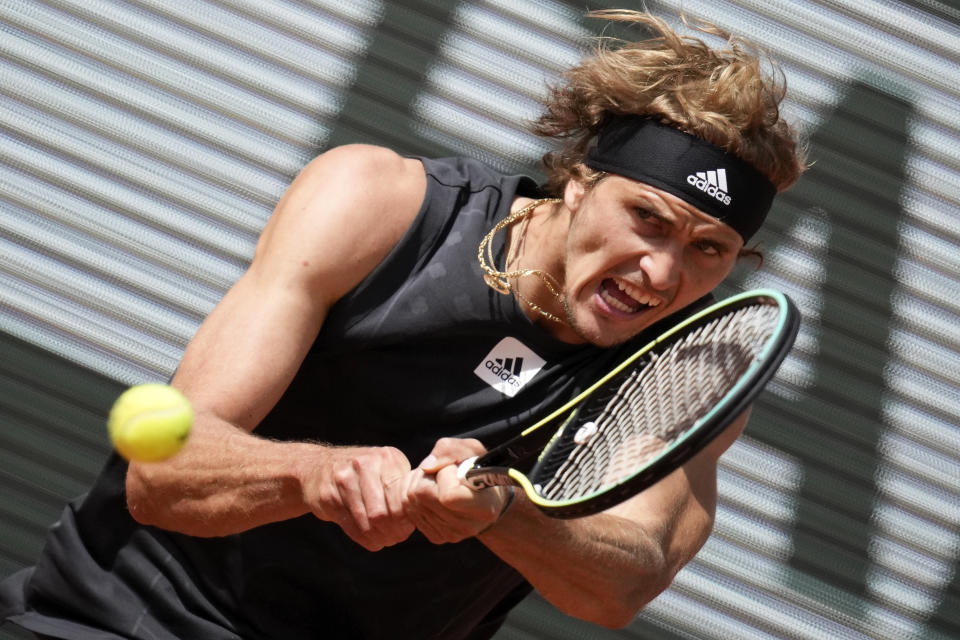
(657, 154)
(713, 183)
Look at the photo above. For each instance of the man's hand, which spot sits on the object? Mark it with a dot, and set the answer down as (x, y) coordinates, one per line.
(440, 505)
(362, 490)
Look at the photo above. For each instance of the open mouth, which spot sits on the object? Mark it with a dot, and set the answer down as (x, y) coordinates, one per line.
(625, 297)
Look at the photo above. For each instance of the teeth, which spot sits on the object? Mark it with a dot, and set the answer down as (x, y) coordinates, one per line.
(616, 304)
(636, 294)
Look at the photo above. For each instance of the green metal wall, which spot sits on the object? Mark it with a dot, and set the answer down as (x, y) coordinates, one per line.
(143, 144)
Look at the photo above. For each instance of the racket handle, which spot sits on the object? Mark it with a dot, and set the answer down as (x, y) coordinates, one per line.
(464, 468)
(478, 478)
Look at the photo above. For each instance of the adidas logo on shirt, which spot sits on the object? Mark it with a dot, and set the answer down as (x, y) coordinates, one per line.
(506, 366)
(713, 183)
(509, 366)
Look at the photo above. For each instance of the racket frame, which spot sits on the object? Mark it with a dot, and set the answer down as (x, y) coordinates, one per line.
(493, 468)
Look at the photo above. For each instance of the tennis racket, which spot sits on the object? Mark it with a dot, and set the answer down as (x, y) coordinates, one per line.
(651, 414)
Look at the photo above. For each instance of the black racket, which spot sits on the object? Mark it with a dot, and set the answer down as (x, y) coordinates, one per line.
(649, 415)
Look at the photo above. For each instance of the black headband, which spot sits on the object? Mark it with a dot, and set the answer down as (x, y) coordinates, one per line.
(700, 173)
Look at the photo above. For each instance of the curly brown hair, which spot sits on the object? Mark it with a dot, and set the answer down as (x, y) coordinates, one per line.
(720, 95)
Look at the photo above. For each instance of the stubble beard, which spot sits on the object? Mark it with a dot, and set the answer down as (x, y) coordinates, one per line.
(579, 331)
(602, 341)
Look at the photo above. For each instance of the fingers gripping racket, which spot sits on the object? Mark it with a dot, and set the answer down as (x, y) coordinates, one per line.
(651, 414)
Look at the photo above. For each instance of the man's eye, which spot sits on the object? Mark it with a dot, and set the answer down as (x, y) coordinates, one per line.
(709, 248)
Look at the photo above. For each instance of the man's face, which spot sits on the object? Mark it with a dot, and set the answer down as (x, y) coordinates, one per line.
(636, 254)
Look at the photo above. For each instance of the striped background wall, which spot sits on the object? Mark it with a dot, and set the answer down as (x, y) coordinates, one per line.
(143, 144)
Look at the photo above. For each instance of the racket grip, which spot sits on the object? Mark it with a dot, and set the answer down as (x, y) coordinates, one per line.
(475, 483)
(482, 477)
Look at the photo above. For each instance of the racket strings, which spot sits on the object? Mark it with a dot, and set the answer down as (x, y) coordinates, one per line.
(656, 405)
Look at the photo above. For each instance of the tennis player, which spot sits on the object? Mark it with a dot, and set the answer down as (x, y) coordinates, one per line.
(402, 314)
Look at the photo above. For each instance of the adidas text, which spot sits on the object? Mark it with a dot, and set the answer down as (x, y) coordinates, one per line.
(506, 370)
(502, 373)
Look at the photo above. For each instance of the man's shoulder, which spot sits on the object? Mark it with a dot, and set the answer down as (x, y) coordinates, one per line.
(360, 183)
(366, 165)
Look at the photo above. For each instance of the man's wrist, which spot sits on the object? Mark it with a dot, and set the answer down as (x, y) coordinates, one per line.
(511, 496)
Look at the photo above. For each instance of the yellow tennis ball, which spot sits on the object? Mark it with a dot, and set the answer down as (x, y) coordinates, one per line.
(150, 422)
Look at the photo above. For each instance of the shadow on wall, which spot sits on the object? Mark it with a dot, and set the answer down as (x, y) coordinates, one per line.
(857, 180)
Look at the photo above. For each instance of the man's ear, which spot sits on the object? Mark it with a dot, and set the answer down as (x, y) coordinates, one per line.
(573, 193)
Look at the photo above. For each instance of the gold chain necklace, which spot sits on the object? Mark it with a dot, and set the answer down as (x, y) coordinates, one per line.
(499, 281)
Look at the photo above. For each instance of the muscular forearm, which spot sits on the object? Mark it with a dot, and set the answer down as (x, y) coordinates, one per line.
(223, 481)
(603, 568)
(226, 480)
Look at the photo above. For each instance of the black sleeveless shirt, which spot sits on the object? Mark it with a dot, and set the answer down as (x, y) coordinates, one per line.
(421, 349)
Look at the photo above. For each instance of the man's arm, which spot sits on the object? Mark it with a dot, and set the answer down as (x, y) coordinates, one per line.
(602, 568)
(337, 221)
